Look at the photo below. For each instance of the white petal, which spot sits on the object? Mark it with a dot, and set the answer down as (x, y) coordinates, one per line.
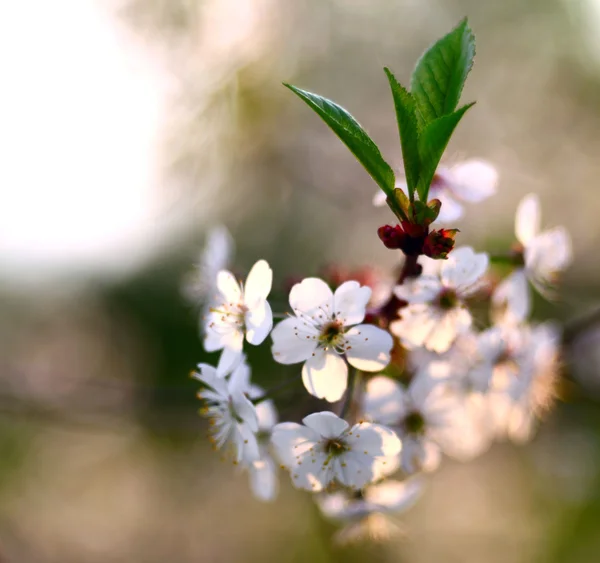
(450, 325)
(246, 444)
(267, 415)
(373, 440)
(463, 268)
(384, 400)
(229, 287)
(228, 361)
(259, 322)
(263, 479)
(291, 440)
(326, 423)
(396, 496)
(325, 375)
(416, 323)
(354, 470)
(290, 345)
(208, 375)
(527, 222)
(258, 284)
(380, 198)
(548, 254)
(312, 296)
(450, 211)
(423, 289)
(239, 382)
(413, 455)
(473, 180)
(511, 301)
(369, 347)
(350, 302)
(245, 410)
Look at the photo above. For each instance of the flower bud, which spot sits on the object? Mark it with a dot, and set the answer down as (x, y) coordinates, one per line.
(439, 243)
(392, 237)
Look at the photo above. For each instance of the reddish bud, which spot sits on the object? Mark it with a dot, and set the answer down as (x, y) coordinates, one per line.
(439, 243)
(392, 237)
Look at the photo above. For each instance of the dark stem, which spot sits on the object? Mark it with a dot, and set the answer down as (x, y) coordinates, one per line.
(274, 390)
(349, 392)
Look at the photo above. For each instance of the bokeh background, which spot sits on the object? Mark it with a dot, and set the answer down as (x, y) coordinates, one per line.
(127, 129)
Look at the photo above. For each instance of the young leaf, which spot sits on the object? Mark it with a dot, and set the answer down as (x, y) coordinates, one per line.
(352, 135)
(432, 144)
(407, 127)
(440, 74)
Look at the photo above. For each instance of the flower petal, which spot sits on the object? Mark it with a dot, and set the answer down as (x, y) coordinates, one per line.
(463, 269)
(209, 376)
(291, 440)
(325, 375)
(379, 199)
(373, 440)
(528, 218)
(473, 180)
(350, 302)
(395, 496)
(369, 347)
(258, 284)
(384, 400)
(290, 345)
(511, 300)
(228, 361)
(259, 322)
(228, 286)
(263, 479)
(245, 444)
(451, 210)
(326, 423)
(423, 289)
(312, 296)
(245, 410)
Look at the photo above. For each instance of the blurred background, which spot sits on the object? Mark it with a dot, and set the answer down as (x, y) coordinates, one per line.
(128, 129)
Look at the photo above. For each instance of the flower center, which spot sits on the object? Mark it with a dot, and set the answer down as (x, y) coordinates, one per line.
(414, 423)
(447, 299)
(331, 333)
(335, 447)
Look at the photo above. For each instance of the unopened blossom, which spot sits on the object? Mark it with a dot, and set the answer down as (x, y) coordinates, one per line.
(469, 181)
(325, 333)
(436, 313)
(201, 285)
(238, 311)
(232, 417)
(428, 416)
(326, 449)
(543, 256)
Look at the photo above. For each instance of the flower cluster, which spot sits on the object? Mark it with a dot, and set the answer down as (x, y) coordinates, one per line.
(418, 374)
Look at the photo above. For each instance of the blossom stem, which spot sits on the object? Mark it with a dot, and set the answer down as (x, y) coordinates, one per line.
(352, 376)
(268, 394)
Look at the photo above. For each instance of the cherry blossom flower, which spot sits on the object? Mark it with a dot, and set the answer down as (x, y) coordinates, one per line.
(322, 334)
(436, 313)
(232, 416)
(544, 255)
(470, 181)
(239, 310)
(428, 416)
(327, 449)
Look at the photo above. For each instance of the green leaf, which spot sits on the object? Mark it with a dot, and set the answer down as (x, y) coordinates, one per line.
(400, 204)
(352, 135)
(440, 74)
(432, 144)
(407, 127)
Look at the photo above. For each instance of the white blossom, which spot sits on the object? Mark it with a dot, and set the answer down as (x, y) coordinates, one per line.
(545, 254)
(239, 310)
(470, 181)
(327, 449)
(322, 333)
(429, 416)
(436, 313)
(232, 417)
